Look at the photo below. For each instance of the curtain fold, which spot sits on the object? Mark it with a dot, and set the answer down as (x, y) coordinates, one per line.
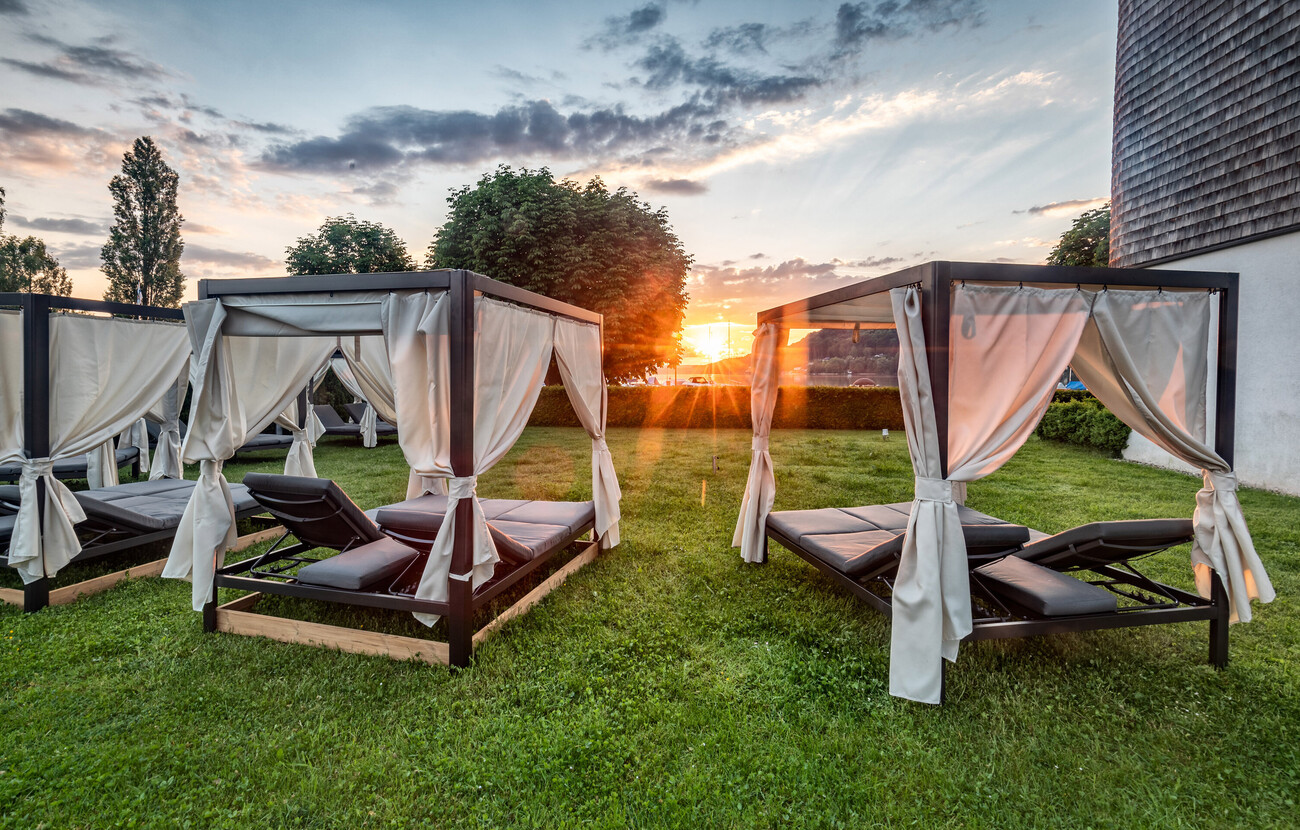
(11, 386)
(241, 384)
(299, 461)
(760, 486)
(365, 373)
(105, 373)
(101, 466)
(167, 413)
(512, 348)
(578, 355)
(137, 435)
(1007, 347)
(1144, 356)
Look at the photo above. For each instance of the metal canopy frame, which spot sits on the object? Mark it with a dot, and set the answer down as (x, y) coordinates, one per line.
(462, 287)
(935, 280)
(36, 309)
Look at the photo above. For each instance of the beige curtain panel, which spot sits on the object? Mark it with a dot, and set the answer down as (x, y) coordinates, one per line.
(105, 373)
(365, 372)
(760, 486)
(1144, 356)
(228, 406)
(578, 355)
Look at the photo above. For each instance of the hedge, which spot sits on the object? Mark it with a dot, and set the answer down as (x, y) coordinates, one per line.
(1085, 422)
(727, 407)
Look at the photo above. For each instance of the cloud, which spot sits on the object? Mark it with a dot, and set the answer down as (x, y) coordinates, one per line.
(622, 30)
(869, 262)
(670, 66)
(378, 193)
(58, 225)
(857, 24)
(246, 261)
(1067, 208)
(95, 65)
(195, 227)
(33, 142)
(19, 123)
(745, 38)
(678, 187)
(14, 7)
(78, 256)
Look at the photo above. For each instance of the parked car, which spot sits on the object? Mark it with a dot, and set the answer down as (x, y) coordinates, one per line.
(698, 380)
(864, 382)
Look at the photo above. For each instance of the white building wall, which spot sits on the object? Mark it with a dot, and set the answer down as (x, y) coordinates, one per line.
(1268, 363)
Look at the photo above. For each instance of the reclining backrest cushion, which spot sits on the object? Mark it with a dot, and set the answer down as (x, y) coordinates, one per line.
(1106, 542)
(356, 411)
(328, 416)
(313, 509)
(418, 529)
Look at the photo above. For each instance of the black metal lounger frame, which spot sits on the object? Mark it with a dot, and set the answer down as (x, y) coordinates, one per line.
(461, 286)
(36, 310)
(935, 280)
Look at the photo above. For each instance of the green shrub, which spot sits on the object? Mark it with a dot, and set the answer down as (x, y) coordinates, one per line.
(1085, 422)
(727, 407)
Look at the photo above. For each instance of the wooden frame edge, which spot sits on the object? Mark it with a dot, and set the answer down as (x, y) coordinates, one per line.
(537, 594)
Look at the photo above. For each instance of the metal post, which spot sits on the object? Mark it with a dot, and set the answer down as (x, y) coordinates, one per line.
(1219, 625)
(460, 596)
(36, 416)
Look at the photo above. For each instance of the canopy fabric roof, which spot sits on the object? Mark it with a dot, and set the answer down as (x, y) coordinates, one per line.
(418, 335)
(980, 349)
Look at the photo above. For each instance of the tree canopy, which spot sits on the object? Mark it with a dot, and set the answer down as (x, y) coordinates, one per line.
(1087, 242)
(347, 245)
(604, 250)
(26, 266)
(142, 258)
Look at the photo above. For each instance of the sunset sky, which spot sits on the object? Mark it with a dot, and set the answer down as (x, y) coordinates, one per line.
(795, 145)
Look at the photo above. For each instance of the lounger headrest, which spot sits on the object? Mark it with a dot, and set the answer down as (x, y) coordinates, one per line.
(1106, 542)
(419, 528)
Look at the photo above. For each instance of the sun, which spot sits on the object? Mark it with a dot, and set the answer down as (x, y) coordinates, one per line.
(711, 341)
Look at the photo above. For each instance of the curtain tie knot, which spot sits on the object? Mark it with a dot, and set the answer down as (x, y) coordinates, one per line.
(759, 444)
(1225, 482)
(209, 468)
(462, 487)
(599, 445)
(37, 467)
(933, 489)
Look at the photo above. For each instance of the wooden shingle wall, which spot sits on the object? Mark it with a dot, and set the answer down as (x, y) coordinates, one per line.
(1207, 126)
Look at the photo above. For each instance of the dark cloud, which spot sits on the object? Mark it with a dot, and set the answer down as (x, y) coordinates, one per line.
(78, 256)
(628, 28)
(246, 261)
(678, 187)
(14, 7)
(386, 137)
(670, 66)
(857, 24)
(91, 65)
(378, 193)
(743, 39)
(58, 225)
(759, 255)
(1061, 207)
(25, 123)
(265, 127)
(195, 227)
(869, 262)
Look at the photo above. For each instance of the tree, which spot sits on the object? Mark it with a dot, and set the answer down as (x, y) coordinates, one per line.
(583, 244)
(347, 245)
(25, 265)
(1087, 242)
(142, 258)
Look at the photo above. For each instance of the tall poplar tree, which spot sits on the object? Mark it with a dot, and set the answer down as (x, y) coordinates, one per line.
(142, 258)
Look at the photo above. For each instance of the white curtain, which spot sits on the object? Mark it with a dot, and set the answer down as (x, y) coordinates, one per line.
(578, 354)
(760, 487)
(299, 461)
(511, 352)
(1144, 357)
(11, 386)
(101, 466)
(105, 373)
(365, 372)
(1007, 347)
(167, 413)
(137, 435)
(240, 385)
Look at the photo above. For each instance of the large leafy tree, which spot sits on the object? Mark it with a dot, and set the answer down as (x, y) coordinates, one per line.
(25, 265)
(1087, 242)
(604, 250)
(347, 245)
(142, 258)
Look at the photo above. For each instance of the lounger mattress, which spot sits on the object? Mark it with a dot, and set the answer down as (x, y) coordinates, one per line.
(151, 505)
(531, 528)
(75, 467)
(856, 540)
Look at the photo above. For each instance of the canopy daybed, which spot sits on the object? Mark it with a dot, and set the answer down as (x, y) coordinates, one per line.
(981, 347)
(467, 357)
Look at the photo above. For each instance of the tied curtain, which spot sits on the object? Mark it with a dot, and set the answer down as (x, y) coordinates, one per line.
(512, 350)
(11, 386)
(241, 384)
(365, 373)
(167, 413)
(105, 373)
(1143, 356)
(760, 487)
(578, 355)
(299, 461)
(1007, 348)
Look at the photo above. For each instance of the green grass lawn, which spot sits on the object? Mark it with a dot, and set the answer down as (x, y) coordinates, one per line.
(669, 684)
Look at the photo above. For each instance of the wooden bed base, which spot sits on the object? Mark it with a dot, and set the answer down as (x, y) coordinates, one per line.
(235, 617)
(71, 593)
